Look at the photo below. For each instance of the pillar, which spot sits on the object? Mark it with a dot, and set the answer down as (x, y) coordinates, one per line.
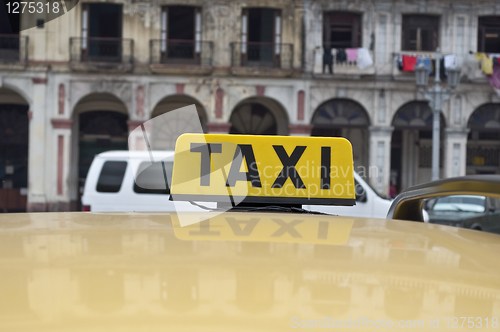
(218, 128)
(60, 194)
(37, 200)
(455, 151)
(379, 166)
(300, 129)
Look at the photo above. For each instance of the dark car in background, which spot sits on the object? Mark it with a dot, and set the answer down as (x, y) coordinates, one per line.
(466, 211)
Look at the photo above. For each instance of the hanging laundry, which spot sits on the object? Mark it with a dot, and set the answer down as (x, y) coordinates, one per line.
(486, 63)
(327, 59)
(341, 56)
(495, 78)
(364, 58)
(409, 62)
(426, 62)
(399, 61)
(450, 61)
(352, 54)
(496, 61)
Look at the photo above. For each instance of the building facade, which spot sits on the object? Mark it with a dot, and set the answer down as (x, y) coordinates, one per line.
(77, 85)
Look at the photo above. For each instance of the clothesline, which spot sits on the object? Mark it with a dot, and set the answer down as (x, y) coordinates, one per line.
(361, 56)
(490, 65)
(406, 62)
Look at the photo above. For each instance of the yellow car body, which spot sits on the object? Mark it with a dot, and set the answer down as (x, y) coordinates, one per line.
(242, 271)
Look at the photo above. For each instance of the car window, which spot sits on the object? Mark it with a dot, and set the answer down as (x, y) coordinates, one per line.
(111, 177)
(460, 203)
(494, 204)
(150, 178)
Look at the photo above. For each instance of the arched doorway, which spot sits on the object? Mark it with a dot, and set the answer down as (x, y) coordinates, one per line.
(344, 118)
(259, 116)
(483, 143)
(14, 139)
(163, 127)
(411, 145)
(100, 119)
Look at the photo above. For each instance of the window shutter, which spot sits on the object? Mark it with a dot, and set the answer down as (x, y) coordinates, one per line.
(163, 31)
(197, 31)
(85, 30)
(244, 35)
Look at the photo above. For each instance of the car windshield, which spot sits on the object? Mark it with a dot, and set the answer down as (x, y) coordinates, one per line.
(463, 203)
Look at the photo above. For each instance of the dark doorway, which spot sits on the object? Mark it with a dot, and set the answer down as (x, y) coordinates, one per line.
(342, 30)
(483, 142)
(14, 138)
(9, 35)
(488, 34)
(261, 34)
(420, 32)
(181, 22)
(181, 25)
(99, 131)
(9, 21)
(104, 32)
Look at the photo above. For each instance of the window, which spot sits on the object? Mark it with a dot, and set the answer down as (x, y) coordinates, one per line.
(342, 30)
(260, 36)
(111, 177)
(180, 33)
(150, 178)
(420, 33)
(101, 32)
(488, 34)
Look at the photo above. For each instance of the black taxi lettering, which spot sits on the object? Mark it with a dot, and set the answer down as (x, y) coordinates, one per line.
(245, 153)
(253, 173)
(326, 158)
(206, 151)
(289, 170)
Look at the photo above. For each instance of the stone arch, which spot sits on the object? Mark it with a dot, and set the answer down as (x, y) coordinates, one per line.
(325, 95)
(164, 130)
(173, 102)
(99, 101)
(259, 116)
(99, 125)
(341, 117)
(411, 145)
(483, 142)
(23, 97)
(14, 150)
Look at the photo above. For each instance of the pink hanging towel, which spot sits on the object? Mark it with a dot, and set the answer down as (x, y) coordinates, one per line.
(352, 54)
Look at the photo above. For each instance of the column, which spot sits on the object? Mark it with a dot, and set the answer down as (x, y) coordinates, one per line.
(455, 151)
(300, 129)
(379, 167)
(218, 128)
(37, 200)
(60, 199)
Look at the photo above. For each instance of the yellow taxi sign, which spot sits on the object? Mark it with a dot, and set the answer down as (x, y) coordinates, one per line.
(265, 228)
(263, 169)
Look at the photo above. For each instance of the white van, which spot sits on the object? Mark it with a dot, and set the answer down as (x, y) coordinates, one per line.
(110, 186)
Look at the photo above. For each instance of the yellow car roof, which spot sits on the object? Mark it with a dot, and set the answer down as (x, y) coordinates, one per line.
(240, 272)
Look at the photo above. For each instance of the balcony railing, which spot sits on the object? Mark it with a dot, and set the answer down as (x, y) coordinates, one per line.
(13, 48)
(183, 52)
(108, 50)
(256, 54)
